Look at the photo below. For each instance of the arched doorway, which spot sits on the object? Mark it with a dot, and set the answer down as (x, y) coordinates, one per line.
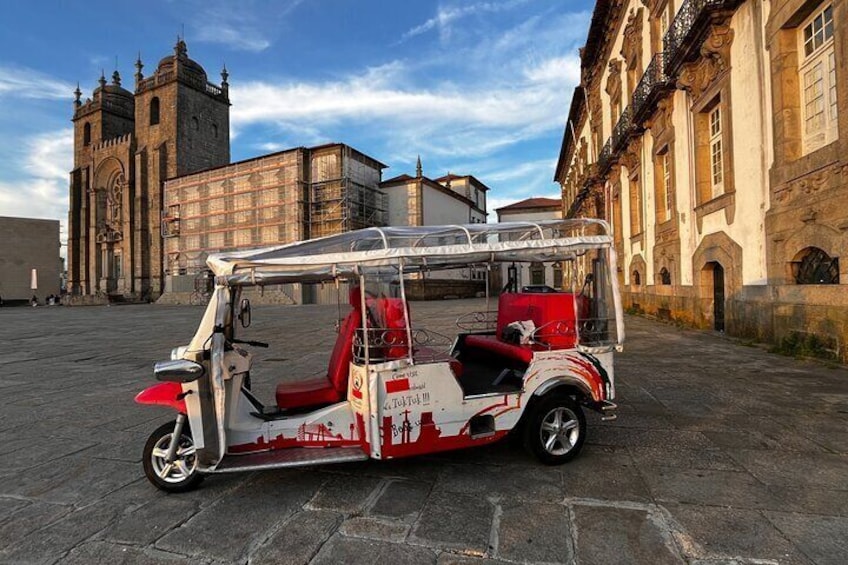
(718, 295)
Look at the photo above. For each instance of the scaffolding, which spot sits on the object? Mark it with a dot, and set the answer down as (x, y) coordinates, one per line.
(250, 204)
(276, 199)
(344, 193)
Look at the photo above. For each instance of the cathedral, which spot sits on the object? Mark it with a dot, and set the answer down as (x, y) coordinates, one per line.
(126, 145)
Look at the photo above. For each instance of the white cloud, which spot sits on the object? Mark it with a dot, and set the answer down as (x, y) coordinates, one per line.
(42, 192)
(437, 118)
(243, 38)
(241, 26)
(446, 16)
(21, 82)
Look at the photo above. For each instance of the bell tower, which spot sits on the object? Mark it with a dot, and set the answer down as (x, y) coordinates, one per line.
(182, 125)
(103, 127)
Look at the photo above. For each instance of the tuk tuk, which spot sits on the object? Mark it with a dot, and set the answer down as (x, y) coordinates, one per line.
(528, 366)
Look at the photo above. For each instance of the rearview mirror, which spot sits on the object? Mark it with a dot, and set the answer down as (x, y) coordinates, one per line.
(244, 312)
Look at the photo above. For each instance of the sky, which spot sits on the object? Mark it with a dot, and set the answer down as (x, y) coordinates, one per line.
(473, 87)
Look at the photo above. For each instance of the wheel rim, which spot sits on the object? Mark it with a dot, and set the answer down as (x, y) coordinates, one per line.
(559, 431)
(184, 464)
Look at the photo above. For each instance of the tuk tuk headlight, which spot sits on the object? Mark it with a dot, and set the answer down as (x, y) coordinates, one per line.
(178, 352)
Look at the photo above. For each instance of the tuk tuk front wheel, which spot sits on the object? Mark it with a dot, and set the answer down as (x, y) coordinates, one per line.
(555, 429)
(181, 475)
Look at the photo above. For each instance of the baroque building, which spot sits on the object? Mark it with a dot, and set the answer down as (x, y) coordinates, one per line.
(126, 144)
(712, 135)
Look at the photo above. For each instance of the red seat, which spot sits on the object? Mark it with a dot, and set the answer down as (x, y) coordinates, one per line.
(320, 390)
(491, 344)
(390, 317)
(553, 310)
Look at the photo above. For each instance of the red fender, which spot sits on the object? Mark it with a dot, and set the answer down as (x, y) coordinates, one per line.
(164, 394)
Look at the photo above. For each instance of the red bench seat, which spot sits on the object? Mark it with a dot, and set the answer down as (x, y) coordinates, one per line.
(492, 344)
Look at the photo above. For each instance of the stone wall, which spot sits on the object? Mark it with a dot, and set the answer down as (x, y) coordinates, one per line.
(769, 314)
(28, 244)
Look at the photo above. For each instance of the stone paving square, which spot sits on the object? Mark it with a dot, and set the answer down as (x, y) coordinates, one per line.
(722, 453)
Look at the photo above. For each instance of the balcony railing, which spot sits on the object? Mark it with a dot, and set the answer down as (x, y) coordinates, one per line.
(622, 131)
(605, 158)
(647, 93)
(681, 42)
(687, 31)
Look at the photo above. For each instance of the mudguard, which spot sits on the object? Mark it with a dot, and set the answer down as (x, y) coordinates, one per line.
(164, 394)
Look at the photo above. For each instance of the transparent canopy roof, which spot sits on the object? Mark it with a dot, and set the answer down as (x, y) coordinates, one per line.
(392, 250)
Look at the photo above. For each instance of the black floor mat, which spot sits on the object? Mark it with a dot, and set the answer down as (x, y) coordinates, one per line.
(481, 376)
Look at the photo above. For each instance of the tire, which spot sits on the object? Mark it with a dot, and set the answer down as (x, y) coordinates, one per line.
(183, 476)
(555, 429)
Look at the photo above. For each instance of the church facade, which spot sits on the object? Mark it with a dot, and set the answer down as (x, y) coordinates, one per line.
(126, 144)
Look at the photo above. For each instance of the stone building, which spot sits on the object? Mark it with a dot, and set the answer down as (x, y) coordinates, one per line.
(273, 199)
(532, 210)
(450, 199)
(422, 201)
(29, 245)
(126, 144)
(708, 133)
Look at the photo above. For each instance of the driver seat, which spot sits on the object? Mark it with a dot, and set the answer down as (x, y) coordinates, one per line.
(321, 390)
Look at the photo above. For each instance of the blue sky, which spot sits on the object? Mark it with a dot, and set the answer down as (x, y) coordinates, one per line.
(474, 87)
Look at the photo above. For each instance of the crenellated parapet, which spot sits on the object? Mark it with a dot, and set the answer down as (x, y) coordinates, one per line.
(115, 141)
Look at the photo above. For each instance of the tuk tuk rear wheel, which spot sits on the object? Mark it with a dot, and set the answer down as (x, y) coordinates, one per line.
(555, 429)
(182, 474)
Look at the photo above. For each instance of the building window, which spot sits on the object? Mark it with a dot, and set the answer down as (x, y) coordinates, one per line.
(663, 180)
(665, 276)
(637, 278)
(195, 123)
(537, 274)
(814, 266)
(635, 206)
(154, 111)
(215, 131)
(818, 80)
(713, 160)
(86, 134)
(716, 159)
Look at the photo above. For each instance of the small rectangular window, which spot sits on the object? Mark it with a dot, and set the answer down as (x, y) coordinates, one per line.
(716, 154)
(666, 169)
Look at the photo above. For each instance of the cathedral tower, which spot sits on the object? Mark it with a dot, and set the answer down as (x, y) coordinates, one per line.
(182, 125)
(125, 146)
(100, 189)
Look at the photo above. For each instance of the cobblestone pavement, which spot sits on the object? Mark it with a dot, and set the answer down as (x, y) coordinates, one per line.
(721, 454)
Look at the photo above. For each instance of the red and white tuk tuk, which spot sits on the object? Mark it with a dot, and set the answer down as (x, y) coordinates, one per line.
(391, 388)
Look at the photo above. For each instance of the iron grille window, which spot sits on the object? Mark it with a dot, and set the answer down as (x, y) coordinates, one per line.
(816, 267)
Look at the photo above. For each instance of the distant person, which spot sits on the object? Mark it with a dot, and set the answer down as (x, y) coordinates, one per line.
(34, 301)
(1, 301)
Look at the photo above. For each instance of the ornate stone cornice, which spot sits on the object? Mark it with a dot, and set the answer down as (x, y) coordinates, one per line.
(810, 184)
(697, 76)
(661, 120)
(631, 159)
(614, 78)
(631, 48)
